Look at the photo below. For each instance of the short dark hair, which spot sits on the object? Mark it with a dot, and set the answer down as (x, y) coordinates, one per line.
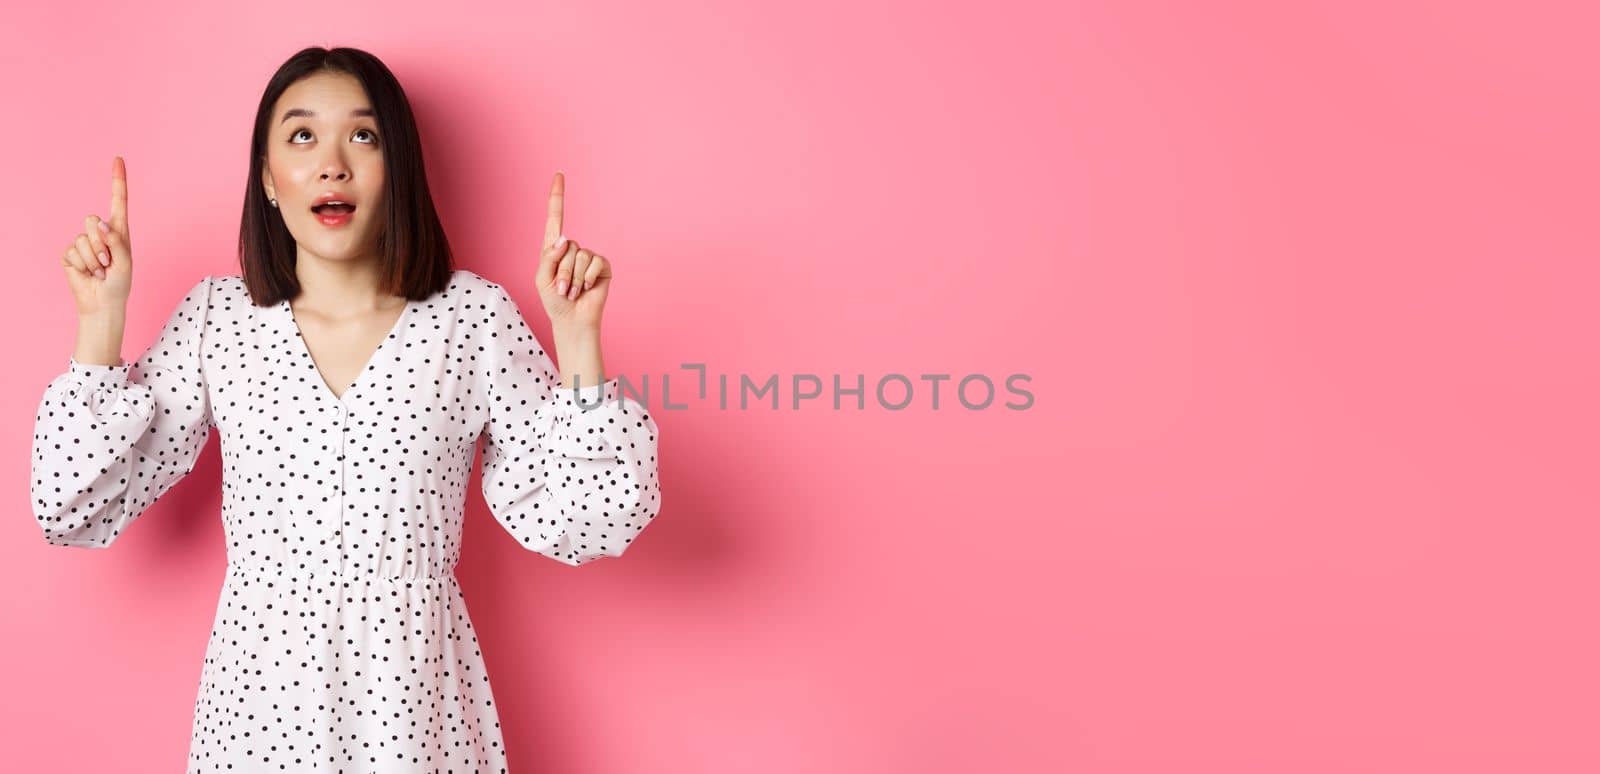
(414, 254)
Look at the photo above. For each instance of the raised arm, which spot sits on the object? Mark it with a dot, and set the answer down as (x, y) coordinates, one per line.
(570, 483)
(110, 437)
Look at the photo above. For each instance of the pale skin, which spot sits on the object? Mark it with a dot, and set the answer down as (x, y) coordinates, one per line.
(334, 150)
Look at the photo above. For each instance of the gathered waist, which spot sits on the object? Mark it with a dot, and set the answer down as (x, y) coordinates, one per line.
(333, 576)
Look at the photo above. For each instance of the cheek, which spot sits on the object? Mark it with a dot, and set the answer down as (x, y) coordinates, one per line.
(372, 191)
(288, 177)
(372, 176)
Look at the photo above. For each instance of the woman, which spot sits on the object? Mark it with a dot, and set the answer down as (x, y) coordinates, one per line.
(350, 371)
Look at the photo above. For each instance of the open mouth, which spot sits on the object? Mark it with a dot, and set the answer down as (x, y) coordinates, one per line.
(334, 213)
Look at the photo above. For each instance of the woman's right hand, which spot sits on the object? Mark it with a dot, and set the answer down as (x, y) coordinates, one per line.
(99, 284)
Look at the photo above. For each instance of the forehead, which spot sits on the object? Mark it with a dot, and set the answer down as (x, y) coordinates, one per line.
(330, 95)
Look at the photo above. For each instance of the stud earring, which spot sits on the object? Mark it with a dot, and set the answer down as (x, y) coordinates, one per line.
(274, 202)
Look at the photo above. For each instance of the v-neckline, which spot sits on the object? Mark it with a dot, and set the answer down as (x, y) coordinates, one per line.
(372, 359)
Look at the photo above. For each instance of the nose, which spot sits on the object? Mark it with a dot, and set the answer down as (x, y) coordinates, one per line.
(334, 168)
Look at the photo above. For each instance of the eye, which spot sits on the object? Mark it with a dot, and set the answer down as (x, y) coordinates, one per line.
(368, 132)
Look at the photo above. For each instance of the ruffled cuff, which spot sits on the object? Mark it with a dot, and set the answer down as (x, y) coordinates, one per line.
(583, 429)
(106, 391)
(589, 398)
(99, 377)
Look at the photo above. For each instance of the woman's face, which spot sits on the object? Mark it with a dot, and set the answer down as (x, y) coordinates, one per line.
(323, 139)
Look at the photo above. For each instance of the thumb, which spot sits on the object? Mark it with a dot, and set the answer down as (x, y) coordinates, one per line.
(550, 260)
(121, 256)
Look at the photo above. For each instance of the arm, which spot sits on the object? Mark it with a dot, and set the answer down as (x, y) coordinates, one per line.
(570, 483)
(109, 440)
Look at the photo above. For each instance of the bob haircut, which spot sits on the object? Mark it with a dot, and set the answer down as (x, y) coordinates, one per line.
(413, 254)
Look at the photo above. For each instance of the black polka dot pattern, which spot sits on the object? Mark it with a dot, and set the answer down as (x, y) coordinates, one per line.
(341, 641)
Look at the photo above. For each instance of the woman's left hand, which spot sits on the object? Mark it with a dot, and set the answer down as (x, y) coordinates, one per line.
(573, 281)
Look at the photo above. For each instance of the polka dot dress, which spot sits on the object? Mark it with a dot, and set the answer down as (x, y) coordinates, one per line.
(341, 641)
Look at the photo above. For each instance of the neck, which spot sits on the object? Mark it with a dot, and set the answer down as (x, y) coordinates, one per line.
(349, 286)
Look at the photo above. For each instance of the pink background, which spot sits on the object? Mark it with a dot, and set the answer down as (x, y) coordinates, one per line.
(1307, 296)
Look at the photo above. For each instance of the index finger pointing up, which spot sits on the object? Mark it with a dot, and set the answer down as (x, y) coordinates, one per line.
(119, 195)
(552, 225)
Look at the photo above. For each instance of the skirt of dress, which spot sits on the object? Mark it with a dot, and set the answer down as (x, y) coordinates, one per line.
(343, 674)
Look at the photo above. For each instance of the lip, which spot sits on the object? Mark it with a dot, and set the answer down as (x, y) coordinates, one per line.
(334, 220)
(329, 196)
(340, 219)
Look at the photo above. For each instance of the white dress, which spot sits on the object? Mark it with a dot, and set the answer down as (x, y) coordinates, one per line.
(341, 641)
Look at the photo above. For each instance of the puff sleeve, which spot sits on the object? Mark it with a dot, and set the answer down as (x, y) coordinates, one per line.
(108, 440)
(573, 481)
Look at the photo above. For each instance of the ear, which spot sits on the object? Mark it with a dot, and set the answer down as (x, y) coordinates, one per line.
(266, 181)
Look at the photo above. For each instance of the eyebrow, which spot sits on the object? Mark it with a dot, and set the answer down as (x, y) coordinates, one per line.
(292, 112)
